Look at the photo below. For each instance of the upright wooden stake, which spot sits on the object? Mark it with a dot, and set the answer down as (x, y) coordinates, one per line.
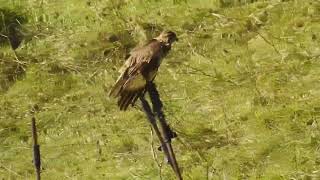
(36, 149)
(166, 134)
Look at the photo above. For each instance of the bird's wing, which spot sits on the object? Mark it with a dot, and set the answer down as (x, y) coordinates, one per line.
(131, 78)
(140, 58)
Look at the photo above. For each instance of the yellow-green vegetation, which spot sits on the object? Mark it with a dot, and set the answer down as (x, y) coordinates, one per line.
(241, 88)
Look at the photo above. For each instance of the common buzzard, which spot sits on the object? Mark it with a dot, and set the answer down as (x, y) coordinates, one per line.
(141, 67)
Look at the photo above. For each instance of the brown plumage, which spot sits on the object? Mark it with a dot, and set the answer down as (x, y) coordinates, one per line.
(141, 66)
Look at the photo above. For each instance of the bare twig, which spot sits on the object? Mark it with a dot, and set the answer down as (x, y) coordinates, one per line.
(10, 170)
(155, 157)
(199, 71)
(268, 42)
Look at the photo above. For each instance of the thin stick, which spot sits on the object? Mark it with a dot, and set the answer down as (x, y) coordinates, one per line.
(155, 157)
(36, 149)
(267, 41)
(10, 170)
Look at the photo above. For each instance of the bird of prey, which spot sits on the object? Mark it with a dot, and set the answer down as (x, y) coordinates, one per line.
(141, 67)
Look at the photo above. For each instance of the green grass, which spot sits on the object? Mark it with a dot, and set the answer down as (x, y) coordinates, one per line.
(241, 89)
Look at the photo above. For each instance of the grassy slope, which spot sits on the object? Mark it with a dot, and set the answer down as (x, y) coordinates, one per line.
(244, 105)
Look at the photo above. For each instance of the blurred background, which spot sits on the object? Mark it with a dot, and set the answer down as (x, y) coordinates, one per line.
(241, 88)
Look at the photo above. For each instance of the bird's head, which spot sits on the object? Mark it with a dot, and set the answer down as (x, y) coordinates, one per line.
(167, 37)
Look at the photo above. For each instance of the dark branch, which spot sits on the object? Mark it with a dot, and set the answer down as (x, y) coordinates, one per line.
(157, 109)
(167, 133)
(36, 149)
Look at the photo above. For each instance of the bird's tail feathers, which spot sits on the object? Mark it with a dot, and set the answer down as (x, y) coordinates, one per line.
(127, 98)
(116, 89)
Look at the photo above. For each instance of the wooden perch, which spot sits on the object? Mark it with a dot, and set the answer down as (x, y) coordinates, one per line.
(166, 134)
(36, 149)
